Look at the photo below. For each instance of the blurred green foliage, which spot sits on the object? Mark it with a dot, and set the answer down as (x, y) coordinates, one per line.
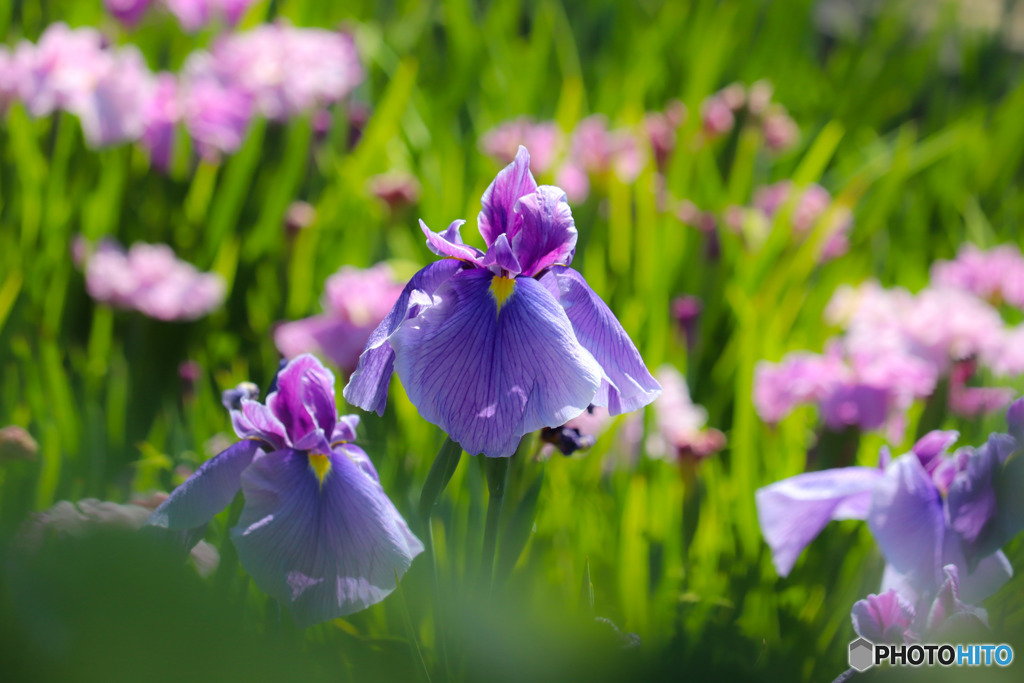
(921, 132)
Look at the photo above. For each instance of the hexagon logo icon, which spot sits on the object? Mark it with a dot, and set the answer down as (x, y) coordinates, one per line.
(862, 654)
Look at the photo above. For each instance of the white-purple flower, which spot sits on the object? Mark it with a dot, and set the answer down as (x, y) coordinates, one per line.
(317, 532)
(493, 345)
(926, 510)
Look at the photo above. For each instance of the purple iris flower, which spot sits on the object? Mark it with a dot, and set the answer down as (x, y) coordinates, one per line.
(926, 509)
(493, 345)
(317, 532)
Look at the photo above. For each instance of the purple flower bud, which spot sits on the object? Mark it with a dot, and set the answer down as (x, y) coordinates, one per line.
(686, 312)
(299, 216)
(716, 116)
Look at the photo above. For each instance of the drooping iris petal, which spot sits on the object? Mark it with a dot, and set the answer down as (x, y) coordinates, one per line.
(368, 386)
(500, 197)
(792, 512)
(932, 445)
(327, 548)
(489, 365)
(883, 618)
(449, 242)
(626, 384)
(907, 522)
(548, 234)
(208, 491)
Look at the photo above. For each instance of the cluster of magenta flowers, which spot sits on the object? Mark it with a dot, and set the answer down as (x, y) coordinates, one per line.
(492, 345)
(939, 519)
(594, 149)
(191, 14)
(148, 278)
(275, 71)
(317, 532)
(896, 347)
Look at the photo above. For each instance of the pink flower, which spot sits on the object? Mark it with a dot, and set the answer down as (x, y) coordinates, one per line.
(354, 303)
(216, 113)
(59, 70)
(112, 110)
(395, 188)
(543, 139)
(149, 279)
(779, 130)
(161, 115)
(287, 70)
(716, 116)
(682, 426)
(993, 275)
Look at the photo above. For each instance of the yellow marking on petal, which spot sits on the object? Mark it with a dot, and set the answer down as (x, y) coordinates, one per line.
(321, 466)
(501, 289)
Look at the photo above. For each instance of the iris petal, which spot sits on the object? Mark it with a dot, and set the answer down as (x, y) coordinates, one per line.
(368, 386)
(304, 397)
(449, 242)
(488, 376)
(907, 522)
(324, 550)
(792, 512)
(500, 197)
(627, 385)
(208, 491)
(548, 235)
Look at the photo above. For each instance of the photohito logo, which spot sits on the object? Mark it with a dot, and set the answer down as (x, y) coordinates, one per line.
(864, 654)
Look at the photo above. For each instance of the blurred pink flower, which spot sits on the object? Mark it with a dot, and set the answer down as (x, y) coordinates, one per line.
(216, 113)
(801, 377)
(111, 111)
(716, 116)
(355, 302)
(161, 115)
(10, 76)
(543, 139)
(149, 279)
(60, 69)
(994, 275)
(574, 181)
(682, 426)
(969, 401)
(396, 188)
(779, 130)
(810, 207)
(286, 70)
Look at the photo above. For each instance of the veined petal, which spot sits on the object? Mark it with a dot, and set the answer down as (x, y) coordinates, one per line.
(449, 242)
(907, 522)
(626, 384)
(368, 385)
(208, 491)
(792, 512)
(548, 234)
(345, 430)
(324, 547)
(499, 200)
(883, 618)
(489, 367)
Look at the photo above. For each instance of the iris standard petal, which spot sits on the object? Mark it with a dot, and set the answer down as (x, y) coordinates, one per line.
(323, 547)
(500, 197)
(792, 512)
(626, 384)
(971, 506)
(304, 396)
(501, 256)
(907, 522)
(493, 359)
(449, 242)
(208, 491)
(368, 385)
(548, 234)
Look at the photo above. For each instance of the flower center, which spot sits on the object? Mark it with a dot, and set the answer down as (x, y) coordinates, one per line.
(321, 466)
(501, 289)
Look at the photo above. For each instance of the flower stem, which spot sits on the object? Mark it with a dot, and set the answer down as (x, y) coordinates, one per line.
(496, 470)
(440, 474)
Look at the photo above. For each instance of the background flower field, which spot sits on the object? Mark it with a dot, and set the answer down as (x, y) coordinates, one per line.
(910, 115)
